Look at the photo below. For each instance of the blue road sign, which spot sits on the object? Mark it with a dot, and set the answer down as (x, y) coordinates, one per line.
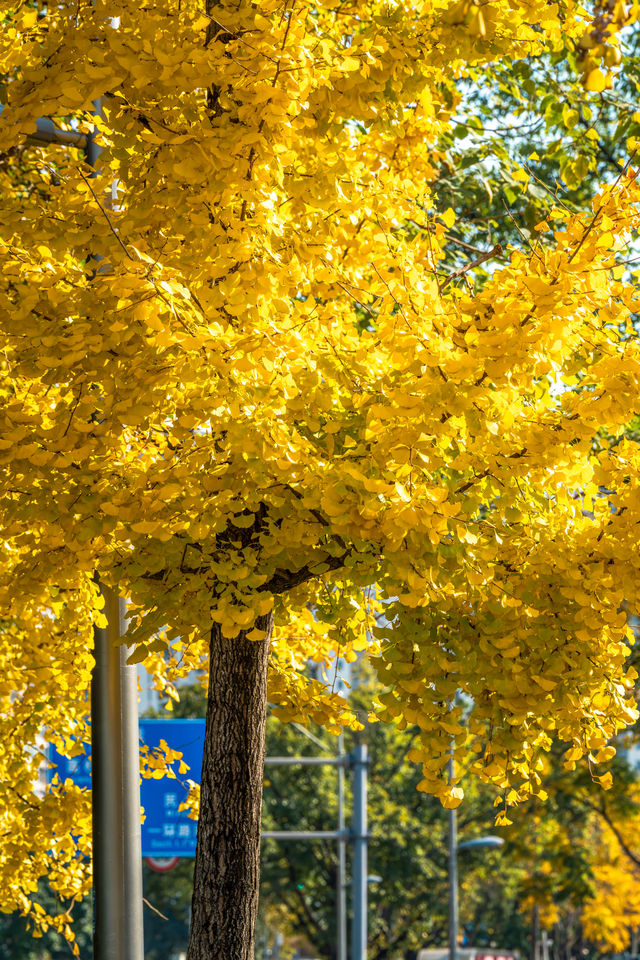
(166, 832)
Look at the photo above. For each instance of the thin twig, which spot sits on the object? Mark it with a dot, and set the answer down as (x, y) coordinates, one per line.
(522, 236)
(106, 216)
(155, 909)
(496, 251)
(75, 407)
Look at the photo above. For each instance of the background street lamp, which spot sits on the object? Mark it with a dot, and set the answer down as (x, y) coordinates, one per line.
(481, 842)
(454, 846)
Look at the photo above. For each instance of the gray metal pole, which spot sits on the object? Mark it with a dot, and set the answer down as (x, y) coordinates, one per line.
(115, 787)
(115, 784)
(277, 943)
(106, 787)
(545, 943)
(301, 835)
(117, 854)
(453, 873)
(341, 893)
(47, 132)
(340, 761)
(360, 843)
(91, 148)
(131, 830)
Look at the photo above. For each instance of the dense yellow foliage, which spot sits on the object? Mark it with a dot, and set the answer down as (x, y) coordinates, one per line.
(269, 393)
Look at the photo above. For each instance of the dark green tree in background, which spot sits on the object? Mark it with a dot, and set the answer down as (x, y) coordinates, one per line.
(408, 851)
(546, 858)
(18, 943)
(408, 908)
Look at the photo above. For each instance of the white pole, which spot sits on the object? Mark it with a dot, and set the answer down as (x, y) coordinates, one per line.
(360, 842)
(341, 912)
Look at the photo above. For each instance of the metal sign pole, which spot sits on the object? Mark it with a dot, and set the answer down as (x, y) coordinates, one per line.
(106, 787)
(131, 826)
(115, 788)
(117, 863)
(358, 835)
(341, 952)
(117, 885)
(360, 843)
(115, 785)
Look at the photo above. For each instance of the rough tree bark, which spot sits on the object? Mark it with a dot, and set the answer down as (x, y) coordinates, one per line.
(227, 867)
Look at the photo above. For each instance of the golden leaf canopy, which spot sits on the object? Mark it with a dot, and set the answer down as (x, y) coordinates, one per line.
(234, 380)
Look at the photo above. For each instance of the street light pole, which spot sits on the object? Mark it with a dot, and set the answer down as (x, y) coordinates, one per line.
(115, 786)
(360, 842)
(454, 846)
(106, 786)
(47, 132)
(115, 789)
(341, 892)
(131, 821)
(358, 836)
(115, 768)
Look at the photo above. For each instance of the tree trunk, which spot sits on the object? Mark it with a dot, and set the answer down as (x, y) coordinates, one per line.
(227, 867)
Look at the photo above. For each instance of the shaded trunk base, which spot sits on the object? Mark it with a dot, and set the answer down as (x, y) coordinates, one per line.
(227, 867)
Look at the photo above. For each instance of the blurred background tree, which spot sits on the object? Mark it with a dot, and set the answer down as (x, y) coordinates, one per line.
(574, 859)
(557, 859)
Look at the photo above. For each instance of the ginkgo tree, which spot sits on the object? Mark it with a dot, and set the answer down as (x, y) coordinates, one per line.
(270, 410)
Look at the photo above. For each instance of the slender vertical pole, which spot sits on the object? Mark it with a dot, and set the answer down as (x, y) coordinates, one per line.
(341, 913)
(106, 787)
(535, 933)
(545, 943)
(131, 830)
(117, 848)
(277, 944)
(115, 785)
(453, 872)
(92, 150)
(360, 842)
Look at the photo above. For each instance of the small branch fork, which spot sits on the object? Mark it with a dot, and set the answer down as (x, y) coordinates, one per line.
(496, 251)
